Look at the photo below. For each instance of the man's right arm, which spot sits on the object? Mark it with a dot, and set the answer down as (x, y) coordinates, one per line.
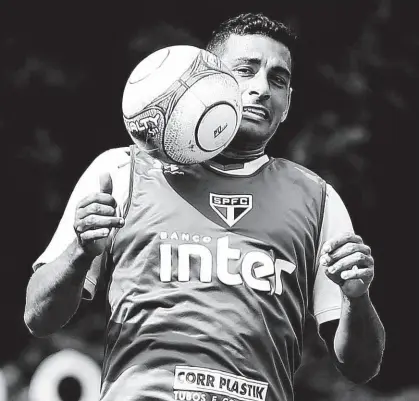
(73, 260)
(55, 290)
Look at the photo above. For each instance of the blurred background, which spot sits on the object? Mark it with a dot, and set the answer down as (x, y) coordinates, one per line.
(352, 120)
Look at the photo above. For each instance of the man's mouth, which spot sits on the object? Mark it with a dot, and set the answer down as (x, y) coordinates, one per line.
(256, 112)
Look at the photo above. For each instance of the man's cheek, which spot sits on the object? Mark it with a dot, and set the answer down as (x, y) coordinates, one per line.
(280, 109)
(243, 86)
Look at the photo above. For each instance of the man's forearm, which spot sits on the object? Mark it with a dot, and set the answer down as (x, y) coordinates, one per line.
(359, 340)
(54, 291)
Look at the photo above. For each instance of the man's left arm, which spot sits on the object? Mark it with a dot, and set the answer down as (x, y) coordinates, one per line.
(358, 342)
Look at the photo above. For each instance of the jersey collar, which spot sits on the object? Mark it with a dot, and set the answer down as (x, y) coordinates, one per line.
(244, 169)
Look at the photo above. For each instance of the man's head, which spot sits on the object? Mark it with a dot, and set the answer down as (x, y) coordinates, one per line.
(258, 52)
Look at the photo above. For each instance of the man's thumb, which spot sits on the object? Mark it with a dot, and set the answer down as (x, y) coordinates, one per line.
(105, 183)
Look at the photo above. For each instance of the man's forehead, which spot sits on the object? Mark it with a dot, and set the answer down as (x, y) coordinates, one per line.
(256, 47)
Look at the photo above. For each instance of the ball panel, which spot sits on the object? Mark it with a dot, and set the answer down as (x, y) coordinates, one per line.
(205, 64)
(140, 94)
(179, 140)
(147, 128)
(211, 61)
(223, 89)
(149, 65)
(216, 127)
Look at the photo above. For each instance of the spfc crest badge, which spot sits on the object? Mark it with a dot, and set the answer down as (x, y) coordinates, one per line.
(231, 208)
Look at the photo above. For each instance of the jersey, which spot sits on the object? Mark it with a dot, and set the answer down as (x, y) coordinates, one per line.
(210, 281)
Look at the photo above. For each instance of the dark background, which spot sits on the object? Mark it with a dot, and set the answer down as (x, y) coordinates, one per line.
(353, 117)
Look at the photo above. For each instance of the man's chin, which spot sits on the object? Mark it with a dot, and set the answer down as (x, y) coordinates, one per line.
(254, 129)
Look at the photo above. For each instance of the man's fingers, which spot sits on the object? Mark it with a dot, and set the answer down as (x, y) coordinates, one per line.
(95, 216)
(93, 222)
(339, 240)
(365, 275)
(357, 258)
(97, 197)
(105, 182)
(343, 251)
(92, 235)
(95, 208)
(335, 278)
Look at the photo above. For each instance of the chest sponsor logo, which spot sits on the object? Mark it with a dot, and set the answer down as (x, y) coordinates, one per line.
(201, 384)
(231, 208)
(255, 268)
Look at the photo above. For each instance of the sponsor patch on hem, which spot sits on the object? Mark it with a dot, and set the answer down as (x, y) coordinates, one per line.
(190, 382)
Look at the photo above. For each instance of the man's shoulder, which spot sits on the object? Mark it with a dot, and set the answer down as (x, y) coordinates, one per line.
(298, 171)
(115, 161)
(114, 158)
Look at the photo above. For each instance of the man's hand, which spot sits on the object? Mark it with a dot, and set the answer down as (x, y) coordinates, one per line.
(95, 217)
(348, 263)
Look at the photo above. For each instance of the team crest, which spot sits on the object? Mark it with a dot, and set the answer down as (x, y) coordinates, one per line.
(231, 208)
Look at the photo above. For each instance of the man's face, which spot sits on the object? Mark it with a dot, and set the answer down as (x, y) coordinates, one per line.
(262, 67)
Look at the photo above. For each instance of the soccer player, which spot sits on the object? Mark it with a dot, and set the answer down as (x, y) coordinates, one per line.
(212, 269)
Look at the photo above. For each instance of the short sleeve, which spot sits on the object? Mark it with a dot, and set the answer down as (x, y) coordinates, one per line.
(327, 296)
(114, 161)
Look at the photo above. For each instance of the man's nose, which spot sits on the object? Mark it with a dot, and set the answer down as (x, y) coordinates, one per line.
(260, 87)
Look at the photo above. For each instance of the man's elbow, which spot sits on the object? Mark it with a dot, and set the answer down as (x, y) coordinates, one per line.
(364, 376)
(361, 374)
(35, 326)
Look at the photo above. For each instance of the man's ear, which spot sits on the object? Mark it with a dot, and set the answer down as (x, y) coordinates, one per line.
(285, 113)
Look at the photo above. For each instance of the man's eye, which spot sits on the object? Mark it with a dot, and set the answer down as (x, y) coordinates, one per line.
(243, 71)
(279, 82)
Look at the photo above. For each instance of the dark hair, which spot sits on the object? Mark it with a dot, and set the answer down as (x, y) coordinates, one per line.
(252, 24)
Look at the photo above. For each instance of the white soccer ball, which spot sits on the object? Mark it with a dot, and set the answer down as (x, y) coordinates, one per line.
(182, 105)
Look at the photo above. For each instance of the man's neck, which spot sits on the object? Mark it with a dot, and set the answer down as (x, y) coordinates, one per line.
(234, 156)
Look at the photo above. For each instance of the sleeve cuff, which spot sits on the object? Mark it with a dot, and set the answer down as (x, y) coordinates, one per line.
(327, 315)
(89, 289)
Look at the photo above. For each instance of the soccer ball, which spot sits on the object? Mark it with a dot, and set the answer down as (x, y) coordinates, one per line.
(182, 105)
